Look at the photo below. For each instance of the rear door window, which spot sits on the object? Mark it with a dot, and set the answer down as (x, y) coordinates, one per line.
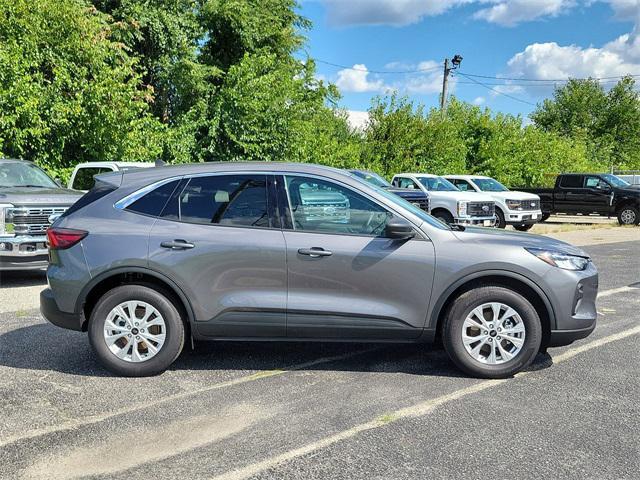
(232, 200)
(571, 181)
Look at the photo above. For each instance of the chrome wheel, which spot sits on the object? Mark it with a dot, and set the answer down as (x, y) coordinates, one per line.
(493, 333)
(628, 217)
(134, 331)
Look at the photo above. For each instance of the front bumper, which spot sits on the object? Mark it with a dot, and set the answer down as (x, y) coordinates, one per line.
(479, 221)
(523, 218)
(27, 252)
(51, 312)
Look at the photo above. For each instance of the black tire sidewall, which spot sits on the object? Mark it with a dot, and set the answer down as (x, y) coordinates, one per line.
(444, 216)
(632, 208)
(501, 222)
(523, 228)
(464, 304)
(174, 339)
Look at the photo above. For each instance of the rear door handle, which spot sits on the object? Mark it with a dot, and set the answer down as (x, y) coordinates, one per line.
(177, 244)
(315, 252)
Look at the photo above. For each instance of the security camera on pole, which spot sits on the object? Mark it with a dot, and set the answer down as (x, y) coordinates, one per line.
(455, 63)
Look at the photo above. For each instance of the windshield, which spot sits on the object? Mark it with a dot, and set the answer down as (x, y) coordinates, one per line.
(372, 178)
(418, 212)
(489, 185)
(615, 181)
(23, 174)
(437, 184)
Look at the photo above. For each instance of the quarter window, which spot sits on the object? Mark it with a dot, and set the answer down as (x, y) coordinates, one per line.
(233, 200)
(322, 206)
(571, 181)
(153, 202)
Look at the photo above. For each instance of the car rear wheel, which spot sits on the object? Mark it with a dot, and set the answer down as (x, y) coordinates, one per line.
(492, 332)
(629, 215)
(136, 331)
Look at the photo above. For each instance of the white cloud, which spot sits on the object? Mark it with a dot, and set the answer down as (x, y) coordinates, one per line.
(386, 12)
(479, 101)
(357, 119)
(512, 12)
(356, 79)
(427, 82)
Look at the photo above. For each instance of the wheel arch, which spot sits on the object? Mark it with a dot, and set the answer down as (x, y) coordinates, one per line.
(104, 282)
(514, 281)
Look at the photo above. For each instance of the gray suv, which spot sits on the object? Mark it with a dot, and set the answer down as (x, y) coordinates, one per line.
(265, 251)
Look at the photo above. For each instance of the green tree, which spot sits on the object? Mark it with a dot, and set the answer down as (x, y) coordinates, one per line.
(68, 91)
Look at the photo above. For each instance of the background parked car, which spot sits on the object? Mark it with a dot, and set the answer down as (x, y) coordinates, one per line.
(29, 202)
(447, 202)
(82, 177)
(591, 193)
(418, 197)
(520, 209)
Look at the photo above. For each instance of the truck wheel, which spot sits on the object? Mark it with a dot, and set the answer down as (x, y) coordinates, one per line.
(629, 215)
(445, 216)
(500, 221)
(545, 217)
(491, 332)
(136, 331)
(523, 228)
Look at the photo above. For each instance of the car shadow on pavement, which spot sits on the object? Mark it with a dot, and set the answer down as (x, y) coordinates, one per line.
(32, 278)
(45, 347)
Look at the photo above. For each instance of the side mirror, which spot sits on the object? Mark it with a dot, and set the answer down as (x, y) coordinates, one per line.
(399, 229)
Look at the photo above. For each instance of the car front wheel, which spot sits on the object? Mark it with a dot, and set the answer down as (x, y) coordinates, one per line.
(629, 215)
(136, 331)
(492, 332)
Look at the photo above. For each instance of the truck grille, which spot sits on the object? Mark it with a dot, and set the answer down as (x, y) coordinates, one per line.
(530, 205)
(422, 203)
(33, 220)
(481, 209)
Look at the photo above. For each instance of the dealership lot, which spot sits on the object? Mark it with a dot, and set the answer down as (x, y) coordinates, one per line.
(323, 410)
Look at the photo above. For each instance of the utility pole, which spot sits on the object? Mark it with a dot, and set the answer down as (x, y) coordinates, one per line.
(455, 63)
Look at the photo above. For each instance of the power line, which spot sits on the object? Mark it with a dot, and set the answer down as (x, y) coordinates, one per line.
(546, 80)
(528, 85)
(388, 72)
(497, 91)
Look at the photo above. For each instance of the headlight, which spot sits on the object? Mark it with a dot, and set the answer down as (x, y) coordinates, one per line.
(6, 222)
(462, 209)
(514, 204)
(559, 259)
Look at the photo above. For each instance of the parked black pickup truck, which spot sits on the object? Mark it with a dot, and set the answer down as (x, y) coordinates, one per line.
(417, 197)
(591, 193)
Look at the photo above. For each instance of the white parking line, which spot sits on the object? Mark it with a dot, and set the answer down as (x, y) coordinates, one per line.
(417, 410)
(614, 291)
(92, 419)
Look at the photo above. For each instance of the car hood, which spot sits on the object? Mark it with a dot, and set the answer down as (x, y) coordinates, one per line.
(462, 196)
(488, 236)
(406, 192)
(38, 196)
(633, 189)
(513, 195)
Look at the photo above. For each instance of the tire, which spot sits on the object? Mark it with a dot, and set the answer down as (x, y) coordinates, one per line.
(500, 221)
(526, 317)
(445, 216)
(165, 328)
(545, 217)
(523, 228)
(629, 215)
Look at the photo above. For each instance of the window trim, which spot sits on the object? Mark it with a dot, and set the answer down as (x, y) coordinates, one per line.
(285, 196)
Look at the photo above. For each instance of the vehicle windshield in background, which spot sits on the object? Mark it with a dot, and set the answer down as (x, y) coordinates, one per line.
(437, 184)
(417, 211)
(20, 174)
(373, 179)
(489, 185)
(615, 181)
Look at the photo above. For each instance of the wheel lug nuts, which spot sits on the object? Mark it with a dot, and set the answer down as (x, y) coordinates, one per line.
(499, 329)
(490, 339)
(129, 335)
(498, 338)
(137, 337)
(142, 329)
(136, 324)
(484, 332)
(491, 325)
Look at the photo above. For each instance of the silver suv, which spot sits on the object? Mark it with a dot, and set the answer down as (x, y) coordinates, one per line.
(264, 251)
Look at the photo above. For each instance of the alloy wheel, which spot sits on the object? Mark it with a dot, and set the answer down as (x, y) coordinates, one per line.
(628, 217)
(493, 333)
(134, 331)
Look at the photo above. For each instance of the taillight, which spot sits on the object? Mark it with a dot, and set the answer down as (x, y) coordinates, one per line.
(62, 238)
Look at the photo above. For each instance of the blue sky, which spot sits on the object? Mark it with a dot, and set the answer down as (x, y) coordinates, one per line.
(544, 40)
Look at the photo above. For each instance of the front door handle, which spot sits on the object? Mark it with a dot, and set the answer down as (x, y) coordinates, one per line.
(177, 244)
(315, 252)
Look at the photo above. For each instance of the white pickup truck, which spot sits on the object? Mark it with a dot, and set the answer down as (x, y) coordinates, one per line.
(447, 202)
(520, 209)
(82, 175)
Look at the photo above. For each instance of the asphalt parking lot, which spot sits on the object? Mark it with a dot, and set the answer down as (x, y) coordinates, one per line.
(338, 411)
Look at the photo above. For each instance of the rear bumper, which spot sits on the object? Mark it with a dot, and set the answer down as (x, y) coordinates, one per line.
(53, 314)
(559, 338)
